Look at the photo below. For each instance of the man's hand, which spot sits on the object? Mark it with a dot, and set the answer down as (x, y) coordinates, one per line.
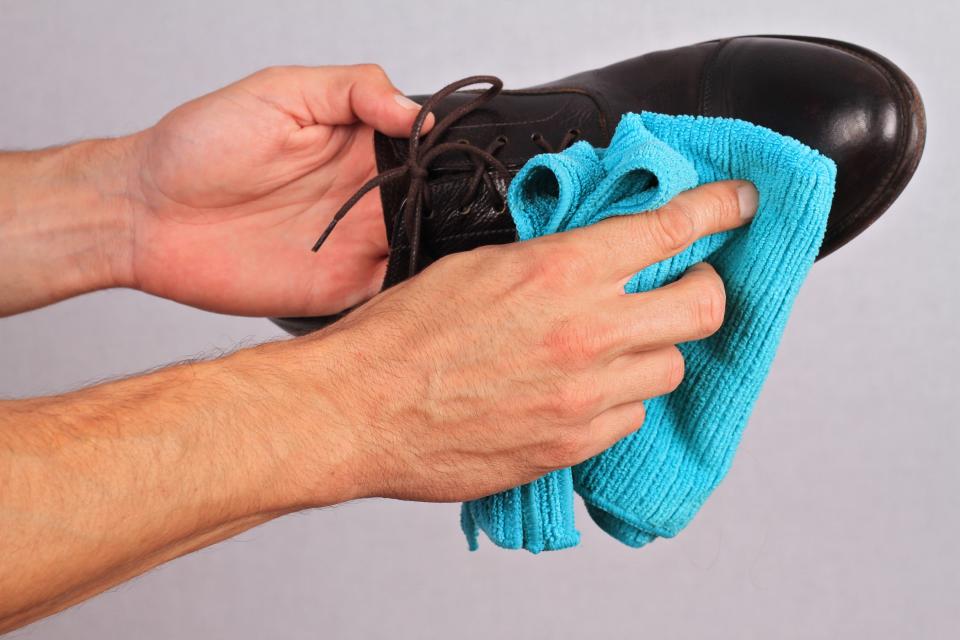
(217, 204)
(487, 370)
(496, 366)
(236, 185)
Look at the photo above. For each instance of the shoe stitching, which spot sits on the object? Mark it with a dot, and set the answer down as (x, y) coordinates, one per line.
(706, 79)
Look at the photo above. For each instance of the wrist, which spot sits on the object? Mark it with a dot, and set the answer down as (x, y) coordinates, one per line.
(102, 176)
(288, 393)
(68, 212)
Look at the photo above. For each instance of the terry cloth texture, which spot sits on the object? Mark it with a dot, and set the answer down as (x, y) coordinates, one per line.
(655, 480)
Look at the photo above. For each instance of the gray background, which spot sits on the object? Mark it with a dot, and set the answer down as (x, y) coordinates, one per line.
(839, 518)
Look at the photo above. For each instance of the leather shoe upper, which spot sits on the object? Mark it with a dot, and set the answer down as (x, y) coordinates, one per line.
(847, 102)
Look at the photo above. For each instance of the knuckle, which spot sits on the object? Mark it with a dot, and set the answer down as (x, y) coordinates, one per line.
(579, 401)
(641, 412)
(569, 447)
(371, 70)
(482, 258)
(274, 72)
(557, 263)
(722, 204)
(446, 270)
(570, 343)
(709, 305)
(672, 227)
(486, 251)
(632, 420)
(449, 261)
(531, 264)
(675, 370)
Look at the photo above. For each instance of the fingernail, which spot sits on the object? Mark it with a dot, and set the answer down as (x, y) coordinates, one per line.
(748, 198)
(406, 102)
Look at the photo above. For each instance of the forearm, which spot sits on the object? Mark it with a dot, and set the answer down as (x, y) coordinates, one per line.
(65, 224)
(100, 485)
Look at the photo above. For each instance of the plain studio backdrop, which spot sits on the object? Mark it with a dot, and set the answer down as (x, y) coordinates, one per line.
(840, 516)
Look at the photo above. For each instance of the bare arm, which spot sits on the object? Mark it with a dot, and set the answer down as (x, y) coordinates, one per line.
(99, 485)
(65, 222)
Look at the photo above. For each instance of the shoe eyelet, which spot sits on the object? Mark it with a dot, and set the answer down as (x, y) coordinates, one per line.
(502, 139)
(574, 132)
(535, 137)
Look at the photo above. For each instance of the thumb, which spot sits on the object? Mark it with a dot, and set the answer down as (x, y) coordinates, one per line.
(347, 94)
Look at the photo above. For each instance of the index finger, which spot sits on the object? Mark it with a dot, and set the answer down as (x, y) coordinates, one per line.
(627, 244)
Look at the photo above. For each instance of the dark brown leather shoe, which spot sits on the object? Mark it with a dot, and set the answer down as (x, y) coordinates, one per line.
(445, 192)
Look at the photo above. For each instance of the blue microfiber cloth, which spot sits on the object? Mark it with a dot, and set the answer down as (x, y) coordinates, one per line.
(655, 480)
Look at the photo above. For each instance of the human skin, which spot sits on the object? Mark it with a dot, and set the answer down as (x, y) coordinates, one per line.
(538, 363)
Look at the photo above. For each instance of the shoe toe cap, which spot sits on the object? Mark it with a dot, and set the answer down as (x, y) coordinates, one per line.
(849, 103)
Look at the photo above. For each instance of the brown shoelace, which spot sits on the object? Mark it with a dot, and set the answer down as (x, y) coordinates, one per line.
(423, 152)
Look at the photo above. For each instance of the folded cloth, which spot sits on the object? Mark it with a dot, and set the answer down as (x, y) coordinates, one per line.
(654, 481)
